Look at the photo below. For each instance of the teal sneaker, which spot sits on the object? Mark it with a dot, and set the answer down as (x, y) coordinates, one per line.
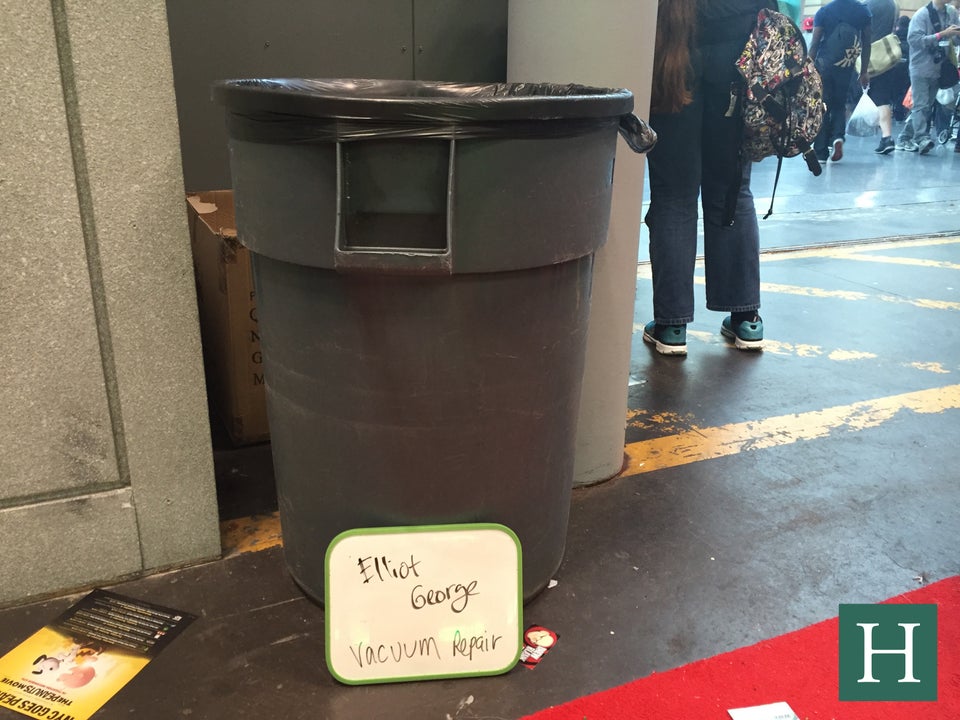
(669, 339)
(748, 336)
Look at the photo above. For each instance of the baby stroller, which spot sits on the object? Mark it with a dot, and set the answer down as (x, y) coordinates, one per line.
(948, 120)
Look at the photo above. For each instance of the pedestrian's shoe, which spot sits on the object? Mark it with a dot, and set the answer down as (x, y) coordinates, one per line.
(925, 146)
(748, 335)
(956, 148)
(668, 339)
(836, 150)
(886, 146)
(907, 146)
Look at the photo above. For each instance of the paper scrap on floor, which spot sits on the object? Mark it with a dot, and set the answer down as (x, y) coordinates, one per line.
(774, 711)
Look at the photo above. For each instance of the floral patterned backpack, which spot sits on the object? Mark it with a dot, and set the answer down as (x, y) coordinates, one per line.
(783, 99)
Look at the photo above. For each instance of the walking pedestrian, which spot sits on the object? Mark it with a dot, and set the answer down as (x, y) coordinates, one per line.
(884, 88)
(841, 33)
(929, 46)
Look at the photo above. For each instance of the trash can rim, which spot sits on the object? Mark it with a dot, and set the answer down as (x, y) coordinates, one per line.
(358, 99)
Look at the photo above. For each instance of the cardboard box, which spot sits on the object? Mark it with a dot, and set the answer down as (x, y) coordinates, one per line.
(228, 317)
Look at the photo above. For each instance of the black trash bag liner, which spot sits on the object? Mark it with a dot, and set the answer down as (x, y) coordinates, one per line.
(296, 110)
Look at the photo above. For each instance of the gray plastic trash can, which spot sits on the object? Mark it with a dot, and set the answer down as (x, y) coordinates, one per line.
(422, 255)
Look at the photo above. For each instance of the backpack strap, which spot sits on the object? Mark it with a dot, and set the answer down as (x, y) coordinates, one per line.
(934, 17)
(938, 53)
(773, 194)
(776, 178)
(812, 163)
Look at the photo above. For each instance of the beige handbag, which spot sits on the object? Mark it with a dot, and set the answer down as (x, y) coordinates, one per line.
(884, 54)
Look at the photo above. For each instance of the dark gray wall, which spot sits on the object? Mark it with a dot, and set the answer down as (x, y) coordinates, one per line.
(210, 40)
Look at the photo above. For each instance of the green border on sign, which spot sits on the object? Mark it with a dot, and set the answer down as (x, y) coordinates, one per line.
(409, 530)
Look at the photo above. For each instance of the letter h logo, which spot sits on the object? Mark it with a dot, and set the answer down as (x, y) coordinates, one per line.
(888, 652)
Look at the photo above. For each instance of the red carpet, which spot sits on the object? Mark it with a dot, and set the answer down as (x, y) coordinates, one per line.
(799, 668)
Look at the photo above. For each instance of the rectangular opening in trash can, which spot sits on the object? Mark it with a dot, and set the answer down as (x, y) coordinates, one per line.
(394, 195)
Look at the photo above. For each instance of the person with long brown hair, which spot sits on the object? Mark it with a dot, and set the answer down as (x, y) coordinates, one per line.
(696, 113)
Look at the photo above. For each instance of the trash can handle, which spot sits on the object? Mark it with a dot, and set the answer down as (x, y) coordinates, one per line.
(420, 261)
(639, 135)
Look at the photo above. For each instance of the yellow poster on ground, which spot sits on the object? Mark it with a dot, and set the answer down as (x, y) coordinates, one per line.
(68, 669)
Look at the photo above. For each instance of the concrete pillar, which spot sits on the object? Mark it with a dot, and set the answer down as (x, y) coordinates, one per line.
(105, 447)
(607, 43)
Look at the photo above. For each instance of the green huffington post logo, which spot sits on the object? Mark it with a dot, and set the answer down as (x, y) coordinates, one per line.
(888, 652)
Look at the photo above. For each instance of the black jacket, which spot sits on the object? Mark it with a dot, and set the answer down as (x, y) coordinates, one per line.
(723, 27)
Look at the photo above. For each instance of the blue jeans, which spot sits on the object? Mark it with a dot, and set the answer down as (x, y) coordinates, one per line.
(697, 154)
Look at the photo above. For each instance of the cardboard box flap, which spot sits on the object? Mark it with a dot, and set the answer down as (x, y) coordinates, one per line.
(215, 210)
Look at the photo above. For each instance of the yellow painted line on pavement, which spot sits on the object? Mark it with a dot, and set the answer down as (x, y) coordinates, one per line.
(890, 260)
(844, 249)
(859, 253)
(933, 367)
(852, 295)
(687, 443)
(808, 291)
(827, 251)
(662, 422)
(710, 443)
(776, 347)
(780, 348)
(249, 534)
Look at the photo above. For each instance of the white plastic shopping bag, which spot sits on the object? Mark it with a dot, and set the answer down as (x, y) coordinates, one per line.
(948, 97)
(865, 118)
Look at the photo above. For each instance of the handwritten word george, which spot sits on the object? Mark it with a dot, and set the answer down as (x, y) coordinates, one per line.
(457, 595)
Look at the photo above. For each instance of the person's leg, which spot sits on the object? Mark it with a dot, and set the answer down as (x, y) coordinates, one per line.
(841, 80)
(924, 96)
(886, 120)
(881, 92)
(835, 84)
(674, 168)
(731, 251)
(907, 139)
(823, 137)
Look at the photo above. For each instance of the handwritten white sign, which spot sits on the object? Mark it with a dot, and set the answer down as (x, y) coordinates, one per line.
(417, 603)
